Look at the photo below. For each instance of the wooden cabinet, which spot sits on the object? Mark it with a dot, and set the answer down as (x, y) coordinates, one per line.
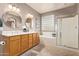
(24, 42)
(15, 45)
(30, 41)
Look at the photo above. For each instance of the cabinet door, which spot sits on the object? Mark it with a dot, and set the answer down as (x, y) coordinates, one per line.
(6, 46)
(15, 45)
(24, 42)
(30, 40)
(35, 39)
(38, 39)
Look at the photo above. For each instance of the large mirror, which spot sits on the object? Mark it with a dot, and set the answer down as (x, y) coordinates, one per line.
(28, 21)
(12, 20)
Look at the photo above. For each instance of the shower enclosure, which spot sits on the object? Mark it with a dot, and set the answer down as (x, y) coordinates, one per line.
(67, 34)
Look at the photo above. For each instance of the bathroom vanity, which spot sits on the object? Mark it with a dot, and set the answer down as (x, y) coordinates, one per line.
(18, 43)
(17, 37)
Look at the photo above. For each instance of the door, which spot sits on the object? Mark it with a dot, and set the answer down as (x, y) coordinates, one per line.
(69, 31)
(15, 45)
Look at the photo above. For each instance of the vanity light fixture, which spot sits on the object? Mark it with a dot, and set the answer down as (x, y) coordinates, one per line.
(13, 8)
(29, 16)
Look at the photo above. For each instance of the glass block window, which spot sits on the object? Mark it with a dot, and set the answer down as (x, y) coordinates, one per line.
(48, 23)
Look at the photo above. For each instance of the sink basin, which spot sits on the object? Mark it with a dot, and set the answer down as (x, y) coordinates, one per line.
(12, 33)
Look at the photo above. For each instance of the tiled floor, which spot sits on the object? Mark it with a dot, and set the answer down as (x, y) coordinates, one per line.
(48, 47)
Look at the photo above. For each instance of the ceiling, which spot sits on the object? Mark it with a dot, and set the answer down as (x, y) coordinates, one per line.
(46, 7)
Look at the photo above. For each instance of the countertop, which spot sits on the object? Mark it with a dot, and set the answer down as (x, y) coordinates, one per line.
(13, 33)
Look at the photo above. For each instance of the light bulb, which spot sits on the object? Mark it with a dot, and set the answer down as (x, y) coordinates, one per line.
(18, 10)
(10, 6)
(14, 8)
